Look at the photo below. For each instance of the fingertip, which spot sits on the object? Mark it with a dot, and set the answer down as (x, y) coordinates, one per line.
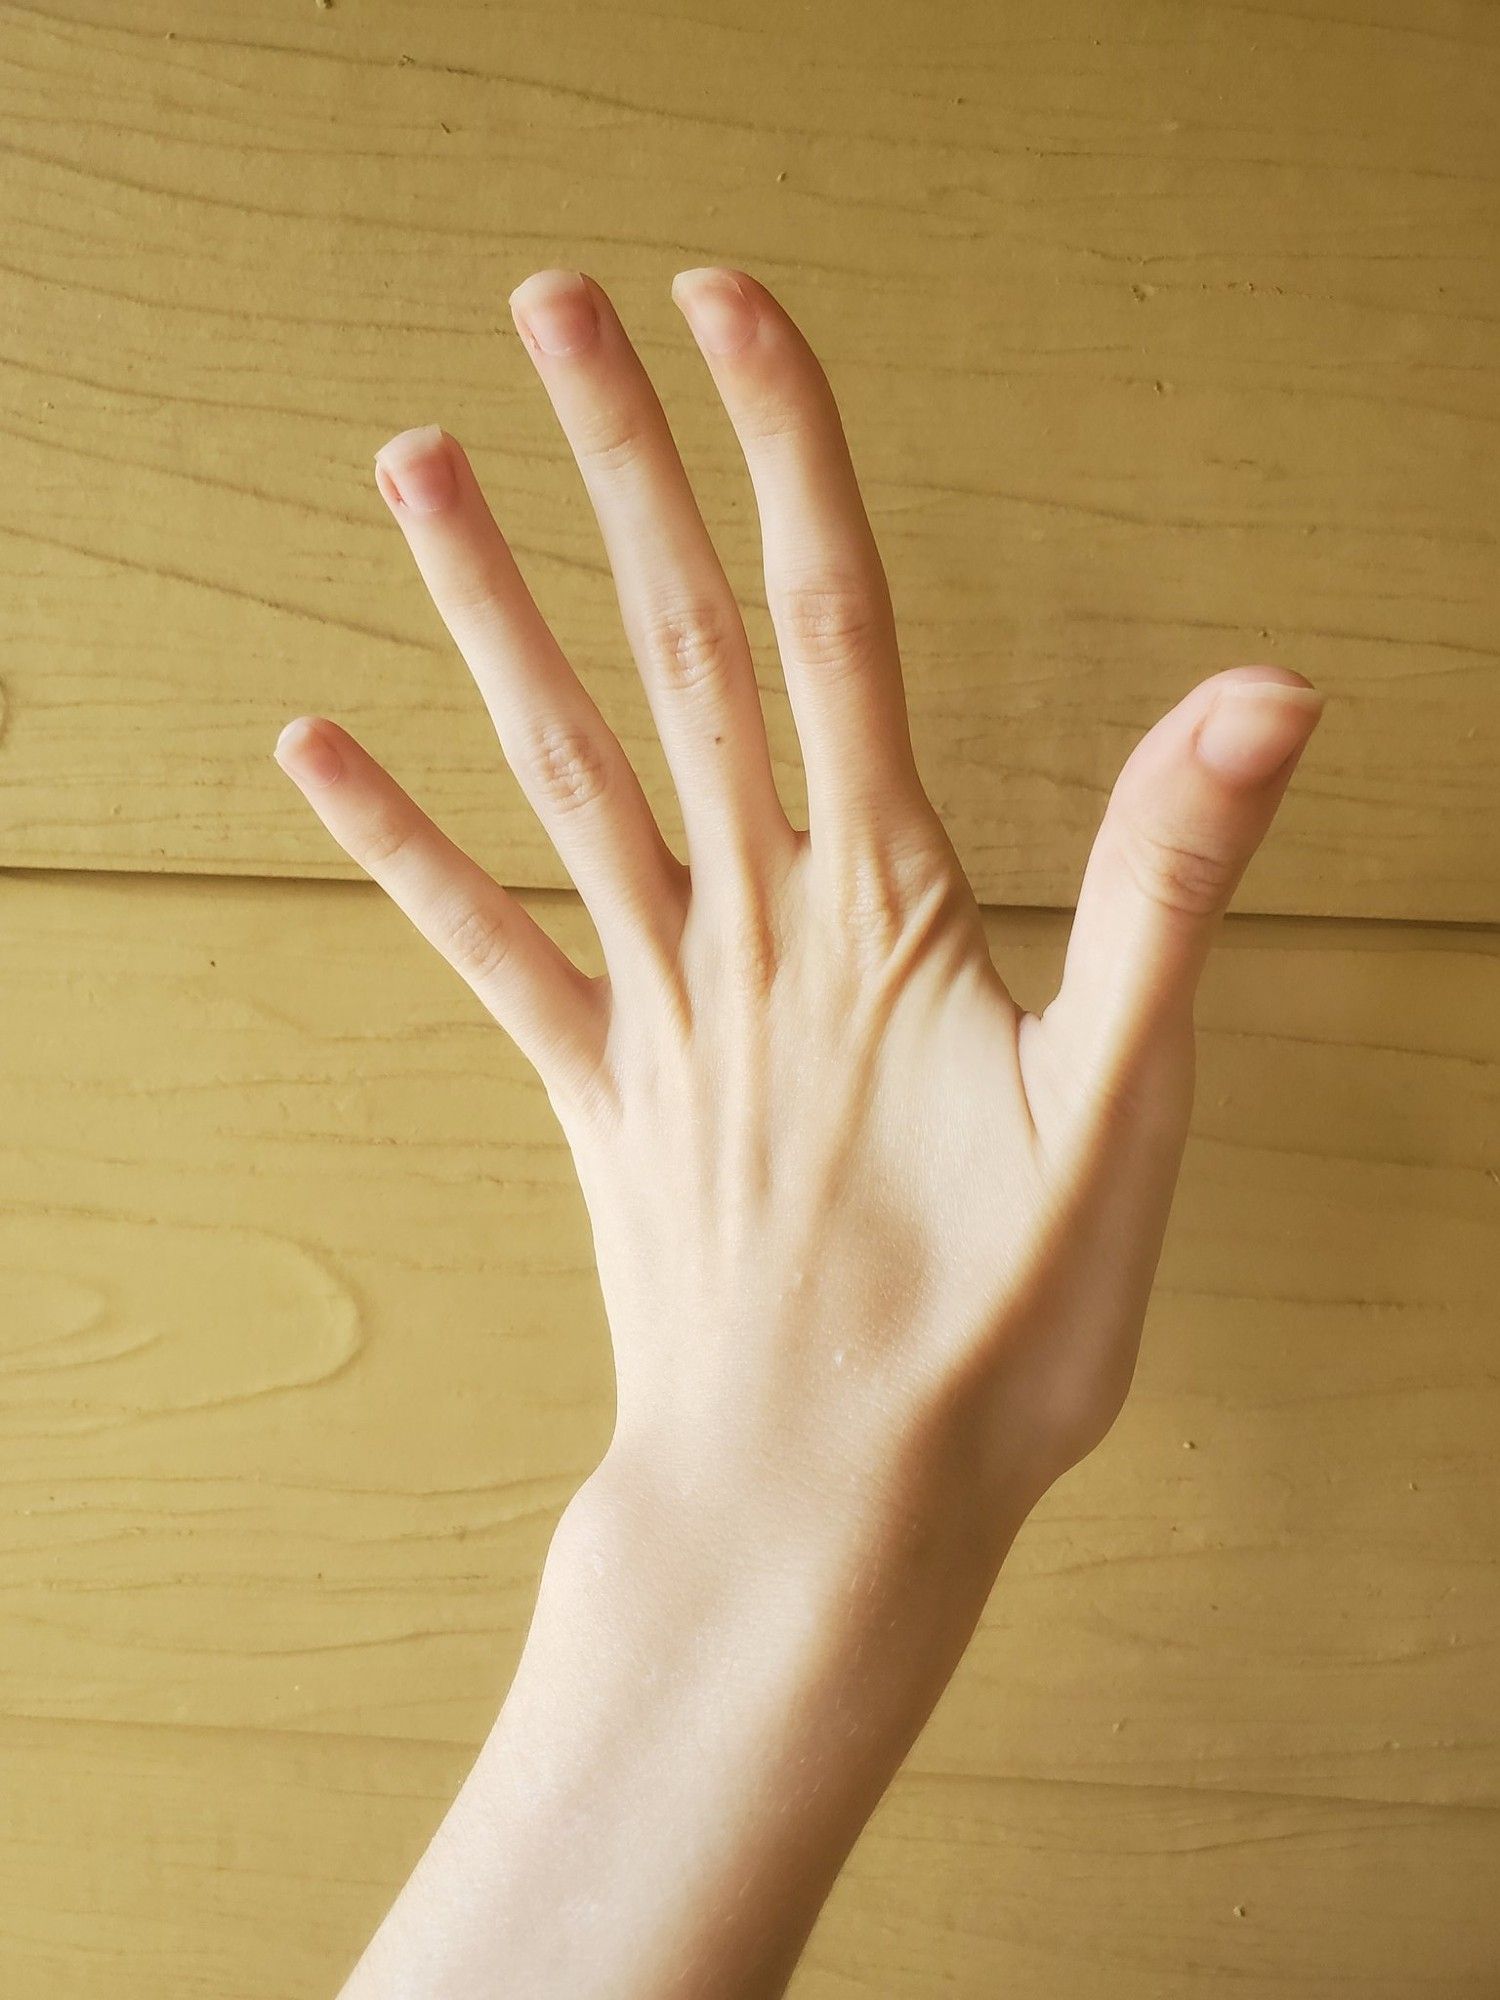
(1255, 727)
(416, 470)
(1260, 673)
(389, 491)
(557, 312)
(718, 306)
(307, 751)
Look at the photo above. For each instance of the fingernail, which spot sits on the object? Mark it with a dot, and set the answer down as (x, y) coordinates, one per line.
(1253, 727)
(415, 471)
(555, 311)
(304, 752)
(717, 308)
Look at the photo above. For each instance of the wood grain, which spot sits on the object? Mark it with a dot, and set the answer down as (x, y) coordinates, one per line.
(1165, 336)
(229, 1865)
(304, 1352)
(1165, 340)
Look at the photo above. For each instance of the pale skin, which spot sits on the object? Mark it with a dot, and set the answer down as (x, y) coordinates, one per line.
(875, 1245)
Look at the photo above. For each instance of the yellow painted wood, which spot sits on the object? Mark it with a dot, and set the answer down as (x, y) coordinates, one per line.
(1165, 334)
(244, 1866)
(303, 1352)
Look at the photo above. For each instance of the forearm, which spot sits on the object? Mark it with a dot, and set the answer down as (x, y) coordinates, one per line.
(695, 1735)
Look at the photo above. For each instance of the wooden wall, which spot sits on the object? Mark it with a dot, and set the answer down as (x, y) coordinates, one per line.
(1166, 338)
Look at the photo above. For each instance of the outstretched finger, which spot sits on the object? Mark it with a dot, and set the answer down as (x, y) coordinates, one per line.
(825, 584)
(569, 763)
(553, 1012)
(679, 613)
(1194, 801)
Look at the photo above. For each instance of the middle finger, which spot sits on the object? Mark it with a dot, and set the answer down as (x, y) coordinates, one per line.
(825, 584)
(680, 615)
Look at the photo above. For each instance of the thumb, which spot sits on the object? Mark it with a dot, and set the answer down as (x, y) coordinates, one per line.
(1195, 799)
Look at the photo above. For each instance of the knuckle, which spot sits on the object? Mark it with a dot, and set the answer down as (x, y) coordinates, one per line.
(476, 942)
(469, 593)
(792, 407)
(919, 854)
(611, 442)
(775, 422)
(909, 858)
(384, 840)
(568, 768)
(874, 910)
(685, 644)
(1177, 872)
(754, 949)
(902, 907)
(828, 620)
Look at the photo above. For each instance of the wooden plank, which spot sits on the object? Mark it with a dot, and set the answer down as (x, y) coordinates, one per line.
(303, 1352)
(1165, 339)
(138, 1862)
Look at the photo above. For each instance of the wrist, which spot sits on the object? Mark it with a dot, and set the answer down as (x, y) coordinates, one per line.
(734, 1714)
(718, 1684)
(783, 1609)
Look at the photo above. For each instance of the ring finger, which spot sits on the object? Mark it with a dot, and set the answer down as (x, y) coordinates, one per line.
(679, 613)
(567, 760)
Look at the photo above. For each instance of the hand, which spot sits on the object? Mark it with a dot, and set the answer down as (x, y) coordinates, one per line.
(875, 1245)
